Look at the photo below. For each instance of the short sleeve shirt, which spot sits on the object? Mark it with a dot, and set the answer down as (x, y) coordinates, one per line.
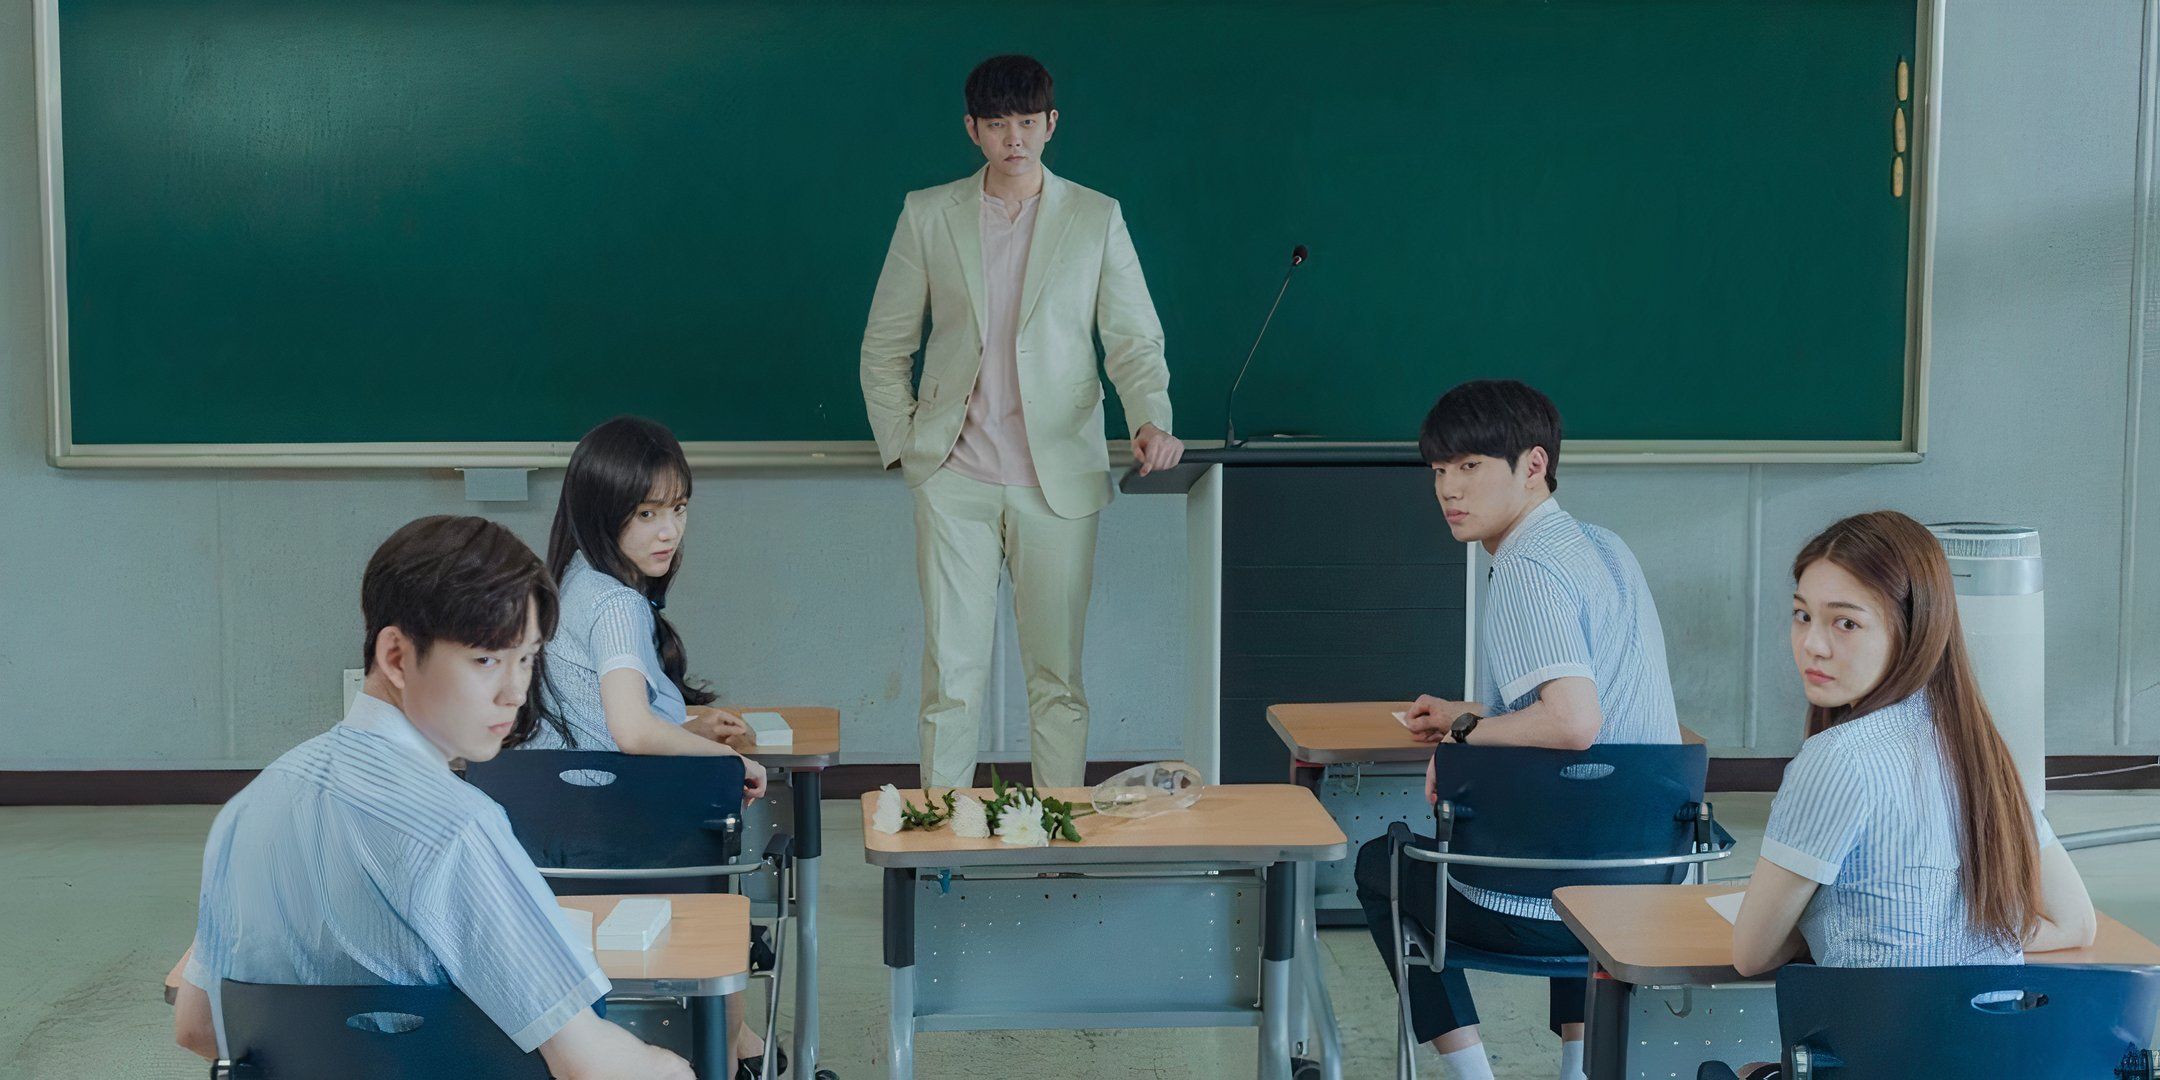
(359, 858)
(1869, 811)
(605, 626)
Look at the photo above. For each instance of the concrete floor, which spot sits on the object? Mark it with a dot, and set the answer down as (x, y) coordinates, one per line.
(101, 901)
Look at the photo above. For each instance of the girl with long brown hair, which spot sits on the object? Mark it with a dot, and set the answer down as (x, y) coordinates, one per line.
(1901, 836)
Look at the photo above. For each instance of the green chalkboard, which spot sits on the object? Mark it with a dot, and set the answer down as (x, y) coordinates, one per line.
(395, 221)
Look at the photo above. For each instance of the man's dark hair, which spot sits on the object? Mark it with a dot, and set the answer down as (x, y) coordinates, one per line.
(1009, 85)
(460, 579)
(1498, 418)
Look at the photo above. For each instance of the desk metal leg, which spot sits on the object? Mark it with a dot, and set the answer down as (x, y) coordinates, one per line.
(1331, 1051)
(709, 1036)
(1312, 990)
(808, 785)
(1301, 1027)
(1278, 953)
(900, 958)
(900, 1026)
(1605, 1037)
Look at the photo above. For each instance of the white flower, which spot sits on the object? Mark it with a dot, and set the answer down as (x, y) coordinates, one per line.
(968, 818)
(886, 818)
(1021, 825)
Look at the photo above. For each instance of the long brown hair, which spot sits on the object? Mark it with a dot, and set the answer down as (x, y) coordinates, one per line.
(1903, 564)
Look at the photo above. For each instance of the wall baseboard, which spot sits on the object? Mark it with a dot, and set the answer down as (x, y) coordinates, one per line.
(122, 787)
(211, 787)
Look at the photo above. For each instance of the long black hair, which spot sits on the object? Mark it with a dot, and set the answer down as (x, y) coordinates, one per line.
(614, 468)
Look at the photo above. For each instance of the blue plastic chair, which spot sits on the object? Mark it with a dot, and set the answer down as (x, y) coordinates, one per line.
(364, 1033)
(2032, 1022)
(1527, 821)
(605, 822)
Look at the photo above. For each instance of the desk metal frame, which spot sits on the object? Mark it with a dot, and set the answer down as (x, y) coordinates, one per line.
(1143, 944)
(1636, 1031)
(805, 784)
(1363, 798)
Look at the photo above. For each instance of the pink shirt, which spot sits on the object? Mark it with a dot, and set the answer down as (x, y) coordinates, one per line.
(993, 444)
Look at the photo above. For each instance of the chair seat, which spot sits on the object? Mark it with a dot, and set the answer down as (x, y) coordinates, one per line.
(1547, 967)
(1470, 958)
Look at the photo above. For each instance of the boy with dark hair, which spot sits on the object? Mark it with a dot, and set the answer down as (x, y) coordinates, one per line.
(1002, 440)
(1572, 654)
(359, 857)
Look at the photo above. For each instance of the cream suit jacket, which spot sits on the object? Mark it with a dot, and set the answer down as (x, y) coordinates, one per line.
(1083, 280)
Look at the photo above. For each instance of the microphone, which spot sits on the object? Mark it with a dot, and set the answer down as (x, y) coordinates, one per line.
(1230, 439)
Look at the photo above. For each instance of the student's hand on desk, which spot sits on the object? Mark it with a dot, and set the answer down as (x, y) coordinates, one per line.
(1153, 448)
(715, 723)
(753, 780)
(1429, 718)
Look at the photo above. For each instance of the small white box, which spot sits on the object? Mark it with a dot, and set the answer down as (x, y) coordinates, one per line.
(769, 729)
(635, 923)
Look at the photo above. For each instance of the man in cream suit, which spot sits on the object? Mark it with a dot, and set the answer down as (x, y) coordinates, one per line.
(1002, 442)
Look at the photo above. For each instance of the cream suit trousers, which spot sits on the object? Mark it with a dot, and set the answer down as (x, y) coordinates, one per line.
(964, 530)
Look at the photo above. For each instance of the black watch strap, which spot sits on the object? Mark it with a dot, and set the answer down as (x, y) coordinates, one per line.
(1463, 726)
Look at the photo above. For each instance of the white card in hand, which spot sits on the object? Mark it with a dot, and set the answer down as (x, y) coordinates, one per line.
(1727, 905)
(1402, 718)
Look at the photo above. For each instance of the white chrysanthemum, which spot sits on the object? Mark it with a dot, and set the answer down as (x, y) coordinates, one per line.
(1021, 824)
(969, 819)
(886, 818)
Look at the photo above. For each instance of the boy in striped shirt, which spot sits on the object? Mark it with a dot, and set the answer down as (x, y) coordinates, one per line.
(1571, 654)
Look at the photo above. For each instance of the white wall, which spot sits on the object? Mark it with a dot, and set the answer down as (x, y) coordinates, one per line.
(177, 619)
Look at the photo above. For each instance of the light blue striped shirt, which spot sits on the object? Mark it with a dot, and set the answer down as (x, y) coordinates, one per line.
(1565, 600)
(359, 858)
(1869, 811)
(605, 625)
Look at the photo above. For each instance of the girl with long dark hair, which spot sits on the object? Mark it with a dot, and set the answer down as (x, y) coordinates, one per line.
(616, 678)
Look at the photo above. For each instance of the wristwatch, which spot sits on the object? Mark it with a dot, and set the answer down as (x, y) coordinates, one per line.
(1462, 727)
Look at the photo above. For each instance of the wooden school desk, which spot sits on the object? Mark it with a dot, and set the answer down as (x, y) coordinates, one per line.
(703, 956)
(1663, 993)
(1368, 771)
(1185, 919)
(799, 770)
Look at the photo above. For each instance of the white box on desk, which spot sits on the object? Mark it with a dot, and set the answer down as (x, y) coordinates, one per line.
(769, 729)
(635, 923)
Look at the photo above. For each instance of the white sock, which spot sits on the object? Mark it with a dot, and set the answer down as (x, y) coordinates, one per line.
(1571, 1060)
(1468, 1063)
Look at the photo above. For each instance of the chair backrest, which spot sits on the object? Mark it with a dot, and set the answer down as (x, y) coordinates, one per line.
(600, 810)
(2033, 1022)
(1612, 801)
(365, 1033)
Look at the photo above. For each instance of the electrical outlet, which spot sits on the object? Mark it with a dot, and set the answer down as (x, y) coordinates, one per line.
(354, 678)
